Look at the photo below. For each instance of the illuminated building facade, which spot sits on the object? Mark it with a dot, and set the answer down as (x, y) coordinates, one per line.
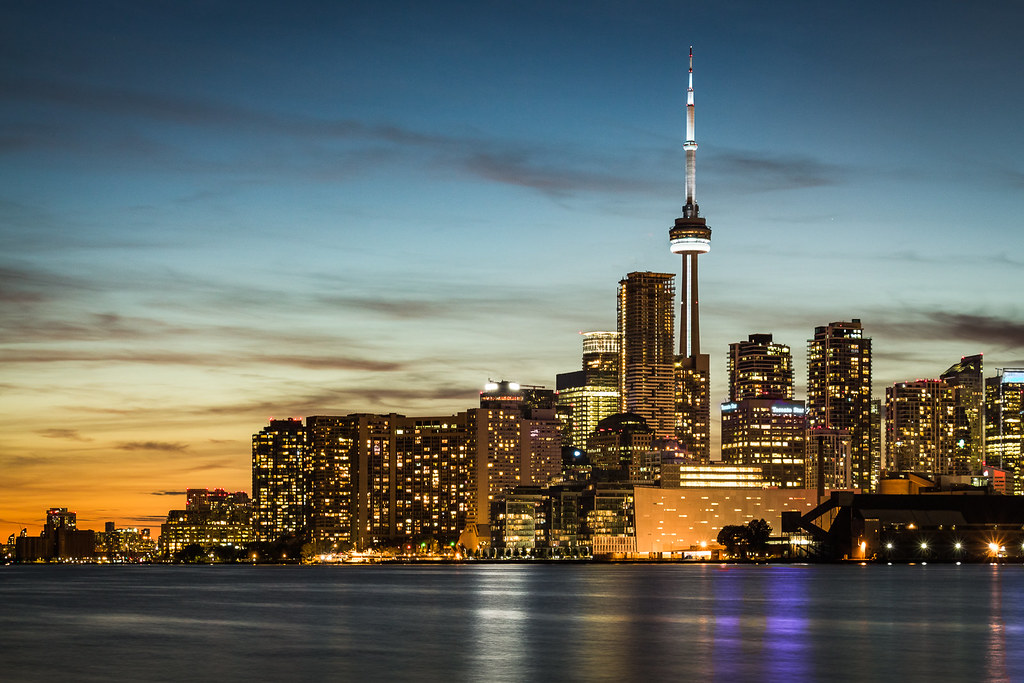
(762, 426)
(767, 433)
(710, 475)
(601, 358)
(828, 460)
(386, 479)
(130, 544)
(839, 392)
(519, 519)
(328, 471)
(432, 464)
(515, 440)
(610, 519)
(690, 237)
(646, 321)
(210, 519)
(278, 457)
(678, 520)
(620, 449)
(919, 427)
(692, 391)
(366, 480)
(968, 379)
(589, 395)
(760, 368)
(1004, 434)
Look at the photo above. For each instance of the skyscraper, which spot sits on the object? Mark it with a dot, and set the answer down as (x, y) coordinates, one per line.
(761, 424)
(760, 368)
(278, 455)
(1004, 424)
(589, 395)
(839, 392)
(646, 329)
(919, 427)
(968, 379)
(328, 471)
(691, 237)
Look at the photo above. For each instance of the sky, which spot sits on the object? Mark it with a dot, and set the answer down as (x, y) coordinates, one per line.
(215, 213)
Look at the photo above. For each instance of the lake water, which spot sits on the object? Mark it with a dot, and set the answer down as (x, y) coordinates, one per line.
(513, 622)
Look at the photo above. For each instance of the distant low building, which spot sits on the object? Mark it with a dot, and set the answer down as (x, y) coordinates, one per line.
(124, 545)
(60, 541)
(941, 526)
(210, 519)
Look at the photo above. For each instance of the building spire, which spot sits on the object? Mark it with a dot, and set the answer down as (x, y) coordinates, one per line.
(691, 209)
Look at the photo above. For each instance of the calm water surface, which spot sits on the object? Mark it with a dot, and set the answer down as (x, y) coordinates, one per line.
(518, 622)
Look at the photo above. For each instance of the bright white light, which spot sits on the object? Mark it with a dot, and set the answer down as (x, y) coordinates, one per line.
(994, 547)
(682, 245)
(924, 546)
(958, 545)
(491, 386)
(513, 386)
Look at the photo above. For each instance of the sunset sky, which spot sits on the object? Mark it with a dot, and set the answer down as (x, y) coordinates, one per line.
(215, 213)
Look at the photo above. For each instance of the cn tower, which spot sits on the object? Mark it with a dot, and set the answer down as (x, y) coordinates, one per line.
(691, 237)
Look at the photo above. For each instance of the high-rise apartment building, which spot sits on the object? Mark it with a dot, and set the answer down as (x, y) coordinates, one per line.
(768, 433)
(646, 331)
(968, 379)
(839, 392)
(1004, 424)
(328, 471)
(690, 237)
(381, 479)
(279, 497)
(761, 423)
(760, 368)
(692, 393)
(514, 441)
(919, 427)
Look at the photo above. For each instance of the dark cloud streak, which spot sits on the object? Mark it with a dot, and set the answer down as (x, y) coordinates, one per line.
(163, 446)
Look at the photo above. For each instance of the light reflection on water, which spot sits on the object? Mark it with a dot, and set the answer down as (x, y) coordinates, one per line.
(514, 622)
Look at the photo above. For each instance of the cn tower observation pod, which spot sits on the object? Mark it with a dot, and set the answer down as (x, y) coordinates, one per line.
(690, 236)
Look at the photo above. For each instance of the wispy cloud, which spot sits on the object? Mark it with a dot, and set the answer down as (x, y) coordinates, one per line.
(164, 446)
(70, 434)
(167, 493)
(750, 171)
(326, 149)
(990, 331)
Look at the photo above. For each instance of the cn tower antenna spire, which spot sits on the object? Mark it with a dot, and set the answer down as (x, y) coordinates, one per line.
(691, 209)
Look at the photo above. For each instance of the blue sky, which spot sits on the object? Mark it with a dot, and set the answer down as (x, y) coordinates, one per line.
(214, 213)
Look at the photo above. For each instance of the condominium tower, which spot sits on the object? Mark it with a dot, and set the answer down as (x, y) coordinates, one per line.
(968, 379)
(762, 425)
(839, 393)
(646, 326)
(1004, 424)
(919, 427)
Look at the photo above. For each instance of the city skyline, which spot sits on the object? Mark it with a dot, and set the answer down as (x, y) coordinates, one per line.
(211, 218)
